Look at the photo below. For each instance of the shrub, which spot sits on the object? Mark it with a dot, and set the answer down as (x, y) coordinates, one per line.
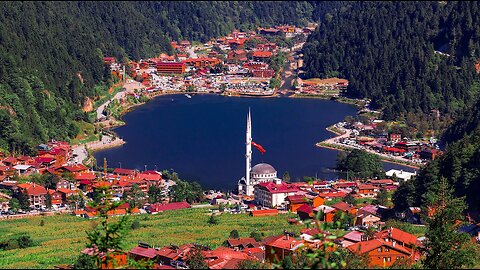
(135, 225)
(213, 220)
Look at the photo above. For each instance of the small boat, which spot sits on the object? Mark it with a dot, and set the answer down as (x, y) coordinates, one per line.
(188, 96)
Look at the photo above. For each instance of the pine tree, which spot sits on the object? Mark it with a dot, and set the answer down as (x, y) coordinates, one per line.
(108, 235)
(23, 200)
(447, 248)
(48, 201)
(234, 234)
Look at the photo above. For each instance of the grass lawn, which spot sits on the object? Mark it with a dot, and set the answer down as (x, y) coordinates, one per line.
(86, 134)
(62, 237)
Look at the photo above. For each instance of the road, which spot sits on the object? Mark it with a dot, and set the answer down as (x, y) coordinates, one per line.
(336, 141)
(102, 107)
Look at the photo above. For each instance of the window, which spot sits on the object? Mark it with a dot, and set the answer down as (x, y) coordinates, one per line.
(386, 249)
(380, 249)
(389, 259)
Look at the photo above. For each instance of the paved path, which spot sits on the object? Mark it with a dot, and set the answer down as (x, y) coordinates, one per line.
(81, 153)
(192, 53)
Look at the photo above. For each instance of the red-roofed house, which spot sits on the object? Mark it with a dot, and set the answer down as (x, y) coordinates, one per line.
(65, 193)
(142, 253)
(280, 247)
(77, 168)
(121, 171)
(407, 240)
(237, 56)
(295, 201)
(271, 194)
(345, 207)
(381, 252)
(261, 55)
(366, 190)
(36, 193)
(242, 243)
(56, 197)
(305, 212)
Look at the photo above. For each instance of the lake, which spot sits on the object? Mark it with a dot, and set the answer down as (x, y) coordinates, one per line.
(203, 138)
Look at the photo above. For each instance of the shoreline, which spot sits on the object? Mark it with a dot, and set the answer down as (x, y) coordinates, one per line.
(343, 148)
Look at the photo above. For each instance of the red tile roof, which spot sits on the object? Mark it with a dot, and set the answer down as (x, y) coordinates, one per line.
(278, 188)
(236, 242)
(367, 187)
(66, 191)
(157, 207)
(366, 246)
(305, 209)
(84, 176)
(143, 252)
(296, 198)
(399, 235)
(285, 242)
(76, 168)
(342, 206)
(33, 189)
(332, 194)
(265, 212)
(262, 54)
(124, 171)
(354, 236)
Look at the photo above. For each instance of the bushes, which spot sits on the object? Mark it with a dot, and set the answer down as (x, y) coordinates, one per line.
(20, 241)
(135, 225)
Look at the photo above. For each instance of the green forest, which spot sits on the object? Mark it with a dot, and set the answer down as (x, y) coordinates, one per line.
(405, 56)
(411, 57)
(51, 52)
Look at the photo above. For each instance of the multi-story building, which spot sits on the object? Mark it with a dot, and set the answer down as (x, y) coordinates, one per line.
(273, 194)
(170, 67)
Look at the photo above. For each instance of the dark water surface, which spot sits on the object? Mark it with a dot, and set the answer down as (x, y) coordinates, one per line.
(203, 138)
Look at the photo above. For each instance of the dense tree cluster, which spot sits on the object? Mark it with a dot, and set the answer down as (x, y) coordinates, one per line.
(405, 56)
(459, 165)
(360, 164)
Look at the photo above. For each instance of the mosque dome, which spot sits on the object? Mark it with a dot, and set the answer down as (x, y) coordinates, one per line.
(263, 168)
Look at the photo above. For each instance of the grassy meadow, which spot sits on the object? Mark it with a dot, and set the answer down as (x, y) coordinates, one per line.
(62, 237)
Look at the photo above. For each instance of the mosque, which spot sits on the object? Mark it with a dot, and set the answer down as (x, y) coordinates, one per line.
(260, 173)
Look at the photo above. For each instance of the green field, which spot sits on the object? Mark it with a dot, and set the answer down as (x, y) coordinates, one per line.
(62, 237)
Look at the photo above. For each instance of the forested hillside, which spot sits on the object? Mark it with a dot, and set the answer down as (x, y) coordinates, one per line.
(460, 166)
(51, 52)
(387, 52)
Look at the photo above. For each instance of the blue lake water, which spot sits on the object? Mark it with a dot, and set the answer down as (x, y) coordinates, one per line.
(203, 138)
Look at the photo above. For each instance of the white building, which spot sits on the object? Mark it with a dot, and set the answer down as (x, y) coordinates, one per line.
(401, 174)
(273, 194)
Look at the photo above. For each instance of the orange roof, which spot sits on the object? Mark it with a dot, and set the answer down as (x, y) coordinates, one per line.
(33, 189)
(367, 246)
(264, 212)
(262, 54)
(66, 190)
(84, 175)
(361, 186)
(285, 242)
(399, 235)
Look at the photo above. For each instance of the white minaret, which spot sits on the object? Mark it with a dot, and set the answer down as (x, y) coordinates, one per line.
(248, 154)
